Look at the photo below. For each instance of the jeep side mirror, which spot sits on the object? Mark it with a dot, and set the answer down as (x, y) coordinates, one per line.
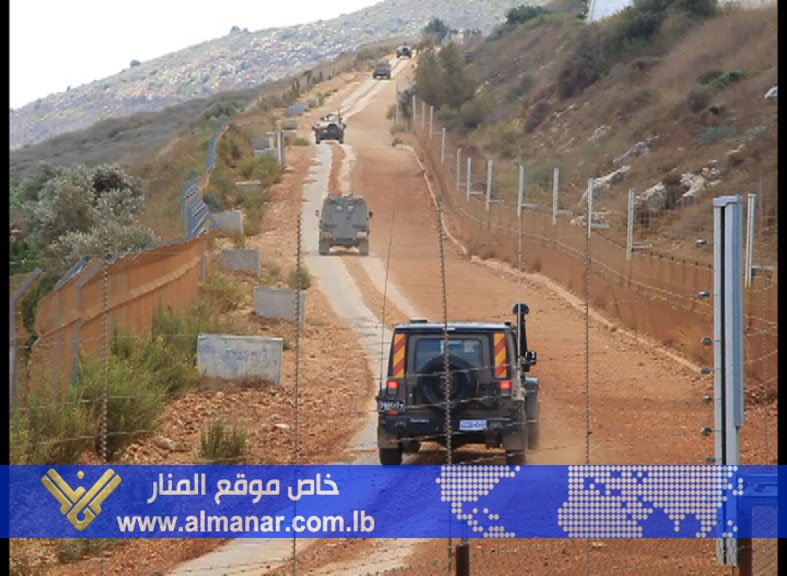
(371, 213)
(317, 213)
(530, 357)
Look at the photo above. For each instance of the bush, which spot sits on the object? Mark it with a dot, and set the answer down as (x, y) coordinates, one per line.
(537, 115)
(264, 168)
(220, 445)
(222, 291)
(585, 65)
(698, 99)
(299, 278)
(213, 203)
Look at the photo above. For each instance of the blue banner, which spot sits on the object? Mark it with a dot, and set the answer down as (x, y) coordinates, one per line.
(359, 501)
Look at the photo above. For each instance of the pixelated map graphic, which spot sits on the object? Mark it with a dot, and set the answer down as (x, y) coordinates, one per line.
(618, 501)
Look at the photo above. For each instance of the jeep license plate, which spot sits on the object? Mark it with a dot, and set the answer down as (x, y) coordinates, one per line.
(472, 425)
(385, 405)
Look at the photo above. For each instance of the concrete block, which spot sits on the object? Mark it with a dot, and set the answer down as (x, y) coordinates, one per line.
(278, 303)
(288, 124)
(233, 357)
(229, 220)
(241, 259)
(296, 109)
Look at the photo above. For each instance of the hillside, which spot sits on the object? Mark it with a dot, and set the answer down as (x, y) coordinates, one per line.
(241, 59)
(682, 117)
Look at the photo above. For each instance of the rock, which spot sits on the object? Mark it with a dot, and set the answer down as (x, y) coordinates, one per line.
(600, 133)
(772, 93)
(166, 443)
(281, 426)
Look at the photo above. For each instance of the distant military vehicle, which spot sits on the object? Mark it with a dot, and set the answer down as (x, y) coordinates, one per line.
(329, 127)
(382, 69)
(344, 221)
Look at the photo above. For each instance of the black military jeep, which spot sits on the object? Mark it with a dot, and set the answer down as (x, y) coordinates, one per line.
(463, 380)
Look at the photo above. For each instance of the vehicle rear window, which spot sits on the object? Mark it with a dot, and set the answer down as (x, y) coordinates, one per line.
(468, 349)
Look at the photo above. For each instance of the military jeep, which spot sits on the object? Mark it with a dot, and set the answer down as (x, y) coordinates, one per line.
(463, 381)
(329, 127)
(344, 222)
(382, 69)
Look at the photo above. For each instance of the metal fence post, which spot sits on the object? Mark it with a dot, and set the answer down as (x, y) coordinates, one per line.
(727, 347)
(630, 225)
(752, 200)
(463, 558)
(442, 147)
(431, 120)
(414, 109)
(488, 183)
(459, 169)
(469, 165)
(520, 191)
(423, 114)
(590, 205)
(555, 180)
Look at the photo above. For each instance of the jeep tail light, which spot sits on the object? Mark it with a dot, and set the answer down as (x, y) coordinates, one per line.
(392, 387)
(505, 387)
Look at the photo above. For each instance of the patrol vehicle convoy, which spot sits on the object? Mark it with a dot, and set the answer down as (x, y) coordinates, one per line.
(471, 374)
(344, 222)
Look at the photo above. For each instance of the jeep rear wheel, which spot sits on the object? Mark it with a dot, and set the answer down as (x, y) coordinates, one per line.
(324, 248)
(390, 456)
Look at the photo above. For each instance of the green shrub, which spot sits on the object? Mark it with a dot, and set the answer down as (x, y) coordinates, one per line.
(586, 64)
(213, 203)
(264, 168)
(714, 134)
(271, 272)
(223, 291)
(537, 115)
(48, 432)
(132, 395)
(220, 445)
(299, 278)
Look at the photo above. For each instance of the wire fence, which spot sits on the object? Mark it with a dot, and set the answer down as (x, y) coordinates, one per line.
(622, 264)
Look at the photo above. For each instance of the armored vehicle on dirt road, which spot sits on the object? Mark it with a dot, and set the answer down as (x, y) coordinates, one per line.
(329, 127)
(382, 69)
(344, 221)
(473, 374)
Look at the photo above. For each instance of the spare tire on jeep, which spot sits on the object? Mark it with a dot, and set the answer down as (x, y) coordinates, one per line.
(463, 382)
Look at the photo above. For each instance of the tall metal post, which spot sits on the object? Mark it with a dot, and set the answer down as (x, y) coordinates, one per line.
(414, 109)
(488, 183)
(590, 205)
(469, 164)
(520, 191)
(442, 146)
(727, 347)
(555, 182)
(750, 237)
(630, 225)
(423, 114)
(459, 169)
(431, 120)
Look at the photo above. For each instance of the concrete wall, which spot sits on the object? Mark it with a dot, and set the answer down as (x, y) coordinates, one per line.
(278, 303)
(229, 220)
(246, 260)
(232, 357)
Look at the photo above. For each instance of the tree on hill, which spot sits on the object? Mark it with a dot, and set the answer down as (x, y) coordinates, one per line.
(76, 212)
(437, 29)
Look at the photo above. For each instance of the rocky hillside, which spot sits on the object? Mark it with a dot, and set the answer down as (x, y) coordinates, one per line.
(241, 59)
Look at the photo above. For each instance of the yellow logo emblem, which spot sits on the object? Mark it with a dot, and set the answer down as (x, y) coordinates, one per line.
(74, 502)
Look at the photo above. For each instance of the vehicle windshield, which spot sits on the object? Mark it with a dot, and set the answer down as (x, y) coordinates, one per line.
(468, 349)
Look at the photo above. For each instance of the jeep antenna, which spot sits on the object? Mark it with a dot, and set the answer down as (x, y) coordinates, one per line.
(385, 285)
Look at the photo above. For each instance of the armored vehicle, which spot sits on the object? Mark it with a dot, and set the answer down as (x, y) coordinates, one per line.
(329, 127)
(382, 69)
(344, 221)
(466, 381)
